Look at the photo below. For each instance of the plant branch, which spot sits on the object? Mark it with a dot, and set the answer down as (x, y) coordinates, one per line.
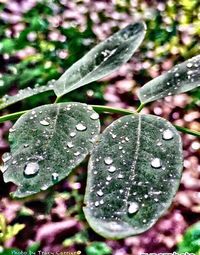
(11, 116)
(108, 109)
(104, 109)
(139, 109)
(188, 131)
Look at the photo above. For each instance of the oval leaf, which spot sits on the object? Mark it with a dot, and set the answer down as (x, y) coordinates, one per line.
(102, 59)
(47, 143)
(23, 94)
(134, 172)
(179, 79)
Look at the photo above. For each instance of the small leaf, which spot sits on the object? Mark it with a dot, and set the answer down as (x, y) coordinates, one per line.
(47, 143)
(24, 93)
(134, 172)
(102, 59)
(179, 79)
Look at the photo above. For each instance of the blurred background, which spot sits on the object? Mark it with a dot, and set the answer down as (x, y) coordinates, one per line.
(39, 40)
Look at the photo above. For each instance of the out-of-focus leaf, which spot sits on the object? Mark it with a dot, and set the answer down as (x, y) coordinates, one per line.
(179, 79)
(102, 59)
(98, 248)
(133, 175)
(191, 240)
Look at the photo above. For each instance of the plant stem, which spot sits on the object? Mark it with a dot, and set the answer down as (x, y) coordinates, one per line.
(11, 116)
(57, 99)
(108, 109)
(105, 109)
(139, 109)
(188, 131)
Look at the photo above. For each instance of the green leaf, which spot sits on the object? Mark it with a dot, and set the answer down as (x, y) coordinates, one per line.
(134, 172)
(23, 94)
(191, 240)
(47, 143)
(98, 248)
(102, 59)
(181, 78)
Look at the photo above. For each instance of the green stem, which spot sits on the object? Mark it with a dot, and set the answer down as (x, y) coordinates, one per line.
(11, 116)
(105, 109)
(139, 109)
(57, 100)
(187, 131)
(108, 109)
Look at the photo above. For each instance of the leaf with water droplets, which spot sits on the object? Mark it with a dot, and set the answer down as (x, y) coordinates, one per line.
(7, 100)
(179, 79)
(47, 143)
(102, 59)
(134, 172)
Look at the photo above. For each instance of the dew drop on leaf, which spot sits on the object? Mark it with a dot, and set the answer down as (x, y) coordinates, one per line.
(156, 163)
(70, 145)
(80, 127)
(44, 123)
(31, 169)
(112, 169)
(55, 177)
(72, 134)
(94, 116)
(133, 207)
(167, 134)
(108, 161)
(6, 156)
(100, 193)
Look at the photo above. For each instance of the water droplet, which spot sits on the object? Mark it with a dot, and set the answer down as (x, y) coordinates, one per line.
(80, 127)
(109, 178)
(31, 169)
(189, 65)
(96, 203)
(55, 176)
(6, 156)
(112, 169)
(77, 153)
(44, 123)
(156, 163)
(133, 207)
(100, 193)
(108, 160)
(26, 145)
(167, 134)
(72, 134)
(70, 145)
(94, 116)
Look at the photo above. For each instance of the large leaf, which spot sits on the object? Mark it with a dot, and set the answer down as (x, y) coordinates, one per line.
(179, 79)
(23, 94)
(102, 59)
(134, 172)
(47, 143)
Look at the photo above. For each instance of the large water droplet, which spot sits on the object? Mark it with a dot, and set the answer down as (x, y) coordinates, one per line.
(112, 169)
(133, 207)
(156, 163)
(167, 134)
(108, 160)
(94, 116)
(44, 123)
(80, 127)
(31, 169)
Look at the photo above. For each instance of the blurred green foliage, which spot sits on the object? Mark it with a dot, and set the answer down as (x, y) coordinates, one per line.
(191, 240)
